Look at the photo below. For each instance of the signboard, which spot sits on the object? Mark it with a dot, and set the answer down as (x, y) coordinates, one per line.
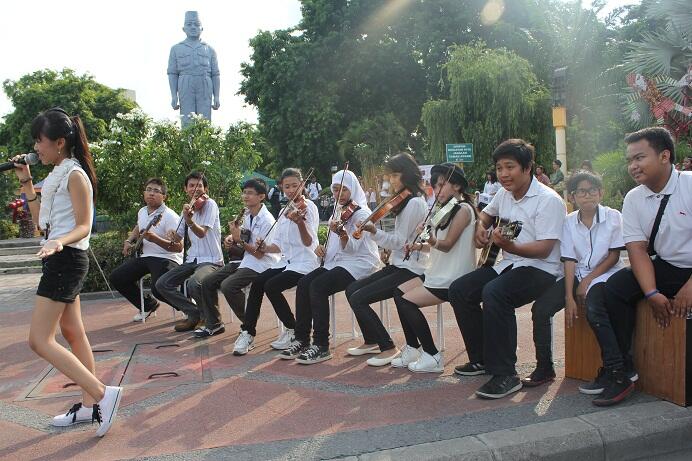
(458, 153)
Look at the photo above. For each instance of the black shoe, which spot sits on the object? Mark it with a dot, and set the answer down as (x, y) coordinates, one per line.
(314, 354)
(618, 389)
(151, 306)
(470, 369)
(598, 385)
(205, 332)
(294, 350)
(499, 386)
(538, 377)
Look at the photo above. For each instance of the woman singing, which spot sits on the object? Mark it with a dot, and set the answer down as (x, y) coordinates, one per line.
(65, 215)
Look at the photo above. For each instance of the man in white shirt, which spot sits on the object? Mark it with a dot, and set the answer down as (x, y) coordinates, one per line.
(157, 254)
(657, 223)
(314, 189)
(529, 267)
(233, 277)
(202, 226)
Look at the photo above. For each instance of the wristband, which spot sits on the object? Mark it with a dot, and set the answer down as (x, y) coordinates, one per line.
(25, 180)
(651, 293)
(32, 199)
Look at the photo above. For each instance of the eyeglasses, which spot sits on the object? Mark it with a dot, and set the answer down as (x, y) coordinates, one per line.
(153, 191)
(590, 191)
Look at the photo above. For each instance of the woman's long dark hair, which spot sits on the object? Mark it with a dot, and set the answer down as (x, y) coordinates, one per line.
(411, 176)
(54, 124)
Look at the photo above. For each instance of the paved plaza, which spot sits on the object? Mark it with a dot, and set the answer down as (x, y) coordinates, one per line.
(192, 399)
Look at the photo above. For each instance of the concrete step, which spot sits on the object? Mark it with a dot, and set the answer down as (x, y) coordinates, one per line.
(26, 250)
(14, 243)
(22, 260)
(20, 270)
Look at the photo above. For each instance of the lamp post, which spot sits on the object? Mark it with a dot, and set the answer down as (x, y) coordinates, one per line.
(559, 87)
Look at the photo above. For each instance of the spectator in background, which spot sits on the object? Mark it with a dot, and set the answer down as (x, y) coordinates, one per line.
(587, 166)
(541, 176)
(557, 177)
(314, 188)
(372, 198)
(384, 188)
(492, 185)
(274, 197)
(687, 163)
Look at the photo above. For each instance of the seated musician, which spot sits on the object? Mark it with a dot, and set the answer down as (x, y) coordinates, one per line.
(233, 277)
(294, 240)
(530, 266)
(157, 254)
(345, 259)
(450, 246)
(200, 224)
(590, 250)
(664, 281)
(404, 177)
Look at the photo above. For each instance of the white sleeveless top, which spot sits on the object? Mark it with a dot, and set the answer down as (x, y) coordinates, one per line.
(56, 204)
(444, 267)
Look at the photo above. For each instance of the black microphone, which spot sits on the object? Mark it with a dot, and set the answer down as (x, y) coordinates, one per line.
(29, 159)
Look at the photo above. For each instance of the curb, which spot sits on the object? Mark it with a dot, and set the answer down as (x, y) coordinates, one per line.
(639, 431)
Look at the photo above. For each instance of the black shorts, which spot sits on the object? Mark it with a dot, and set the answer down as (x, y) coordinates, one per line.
(63, 275)
(441, 293)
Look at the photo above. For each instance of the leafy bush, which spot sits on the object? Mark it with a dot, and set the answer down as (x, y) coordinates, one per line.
(616, 180)
(322, 233)
(107, 248)
(8, 229)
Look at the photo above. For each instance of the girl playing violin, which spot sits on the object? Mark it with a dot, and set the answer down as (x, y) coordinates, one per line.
(405, 178)
(295, 239)
(451, 253)
(345, 259)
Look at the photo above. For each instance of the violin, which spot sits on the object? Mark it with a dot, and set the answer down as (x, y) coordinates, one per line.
(342, 215)
(381, 211)
(199, 203)
(439, 219)
(298, 205)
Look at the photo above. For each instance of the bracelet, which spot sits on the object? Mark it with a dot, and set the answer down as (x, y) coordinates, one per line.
(32, 199)
(651, 293)
(25, 180)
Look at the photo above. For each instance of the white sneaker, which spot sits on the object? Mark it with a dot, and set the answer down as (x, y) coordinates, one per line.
(244, 343)
(284, 340)
(428, 363)
(364, 349)
(107, 408)
(77, 414)
(408, 355)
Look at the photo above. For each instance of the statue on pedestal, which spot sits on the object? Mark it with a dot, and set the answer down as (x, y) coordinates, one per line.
(193, 73)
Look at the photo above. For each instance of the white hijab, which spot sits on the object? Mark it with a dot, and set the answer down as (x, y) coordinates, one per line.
(350, 182)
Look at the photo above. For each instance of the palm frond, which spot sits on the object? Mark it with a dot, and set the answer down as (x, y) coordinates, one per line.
(677, 13)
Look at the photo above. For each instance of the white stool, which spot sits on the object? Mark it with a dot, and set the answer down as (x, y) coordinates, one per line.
(440, 327)
(332, 319)
(141, 301)
(384, 307)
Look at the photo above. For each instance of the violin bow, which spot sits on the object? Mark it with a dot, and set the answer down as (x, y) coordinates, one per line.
(407, 256)
(201, 180)
(336, 203)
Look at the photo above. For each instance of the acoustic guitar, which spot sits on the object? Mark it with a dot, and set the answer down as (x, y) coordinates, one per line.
(509, 230)
(137, 247)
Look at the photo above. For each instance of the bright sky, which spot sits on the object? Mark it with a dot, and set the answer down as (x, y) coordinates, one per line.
(125, 44)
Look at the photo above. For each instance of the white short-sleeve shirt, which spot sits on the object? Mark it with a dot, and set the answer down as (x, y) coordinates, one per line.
(169, 222)
(208, 248)
(542, 213)
(639, 211)
(295, 256)
(588, 247)
(259, 227)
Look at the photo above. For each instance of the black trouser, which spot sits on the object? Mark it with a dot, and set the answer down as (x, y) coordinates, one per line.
(490, 334)
(272, 282)
(191, 274)
(622, 294)
(312, 302)
(125, 278)
(416, 328)
(377, 287)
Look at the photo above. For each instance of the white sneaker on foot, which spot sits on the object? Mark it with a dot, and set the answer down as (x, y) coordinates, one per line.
(244, 343)
(408, 355)
(284, 340)
(75, 415)
(104, 411)
(428, 363)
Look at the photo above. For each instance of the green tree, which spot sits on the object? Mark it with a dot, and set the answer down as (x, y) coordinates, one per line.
(163, 150)
(494, 95)
(95, 103)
